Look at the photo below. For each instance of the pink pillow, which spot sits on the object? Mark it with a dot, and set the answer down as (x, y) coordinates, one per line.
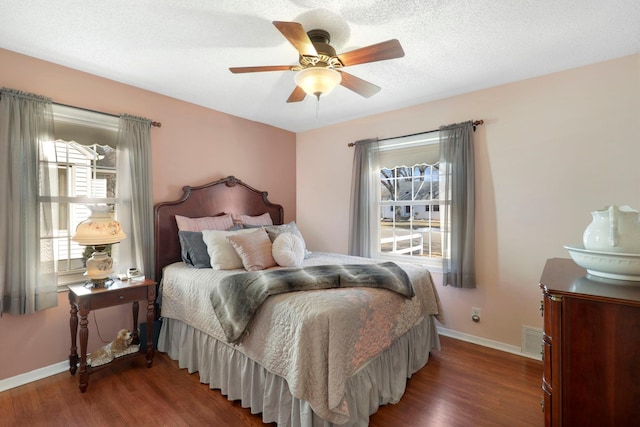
(222, 222)
(254, 249)
(264, 219)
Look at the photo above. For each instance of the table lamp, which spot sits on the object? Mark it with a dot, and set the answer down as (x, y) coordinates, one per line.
(99, 230)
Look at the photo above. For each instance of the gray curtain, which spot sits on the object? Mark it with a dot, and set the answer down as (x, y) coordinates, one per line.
(458, 166)
(135, 198)
(27, 265)
(364, 194)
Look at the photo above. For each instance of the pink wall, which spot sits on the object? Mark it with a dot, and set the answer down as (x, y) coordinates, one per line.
(552, 149)
(194, 146)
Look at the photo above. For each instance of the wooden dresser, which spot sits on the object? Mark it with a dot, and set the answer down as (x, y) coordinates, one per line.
(591, 348)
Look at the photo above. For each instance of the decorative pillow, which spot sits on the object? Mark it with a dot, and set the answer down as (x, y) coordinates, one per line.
(288, 250)
(222, 222)
(276, 230)
(264, 219)
(222, 255)
(254, 249)
(194, 250)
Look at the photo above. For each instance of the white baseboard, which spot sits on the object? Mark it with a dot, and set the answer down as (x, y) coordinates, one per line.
(486, 342)
(34, 375)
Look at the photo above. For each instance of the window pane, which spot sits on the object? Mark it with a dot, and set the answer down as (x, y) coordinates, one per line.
(425, 182)
(107, 184)
(388, 184)
(107, 156)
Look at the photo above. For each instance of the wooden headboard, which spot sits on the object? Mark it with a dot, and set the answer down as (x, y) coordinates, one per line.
(228, 195)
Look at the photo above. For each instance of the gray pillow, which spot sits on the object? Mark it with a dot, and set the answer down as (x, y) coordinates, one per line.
(194, 250)
(276, 230)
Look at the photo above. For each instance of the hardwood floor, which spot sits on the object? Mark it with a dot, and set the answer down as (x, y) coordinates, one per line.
(462, 385)
(469, 385)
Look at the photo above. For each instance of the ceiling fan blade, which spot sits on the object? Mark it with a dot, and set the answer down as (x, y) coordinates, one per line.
(297, 95)
(259, 69)
(296, 35)
(359, 86)
(376, 52)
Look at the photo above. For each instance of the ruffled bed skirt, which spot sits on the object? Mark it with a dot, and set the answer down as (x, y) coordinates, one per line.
(381, 381)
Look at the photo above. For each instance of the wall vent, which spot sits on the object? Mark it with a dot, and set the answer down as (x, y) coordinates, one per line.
(532, 342)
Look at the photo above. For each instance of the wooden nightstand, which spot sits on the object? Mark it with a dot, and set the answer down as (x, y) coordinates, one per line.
(84, 299)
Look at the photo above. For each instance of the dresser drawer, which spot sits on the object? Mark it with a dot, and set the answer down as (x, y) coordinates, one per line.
(547, 373)
(546, 406)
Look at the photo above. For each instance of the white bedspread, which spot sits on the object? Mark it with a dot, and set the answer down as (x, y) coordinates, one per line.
(314, 339)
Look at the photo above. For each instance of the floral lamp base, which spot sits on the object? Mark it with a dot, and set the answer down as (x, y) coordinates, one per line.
(99, 267)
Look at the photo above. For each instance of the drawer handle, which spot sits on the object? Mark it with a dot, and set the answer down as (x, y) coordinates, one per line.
(121, 297)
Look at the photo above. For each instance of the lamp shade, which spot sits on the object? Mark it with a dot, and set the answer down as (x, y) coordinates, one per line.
(318, 81)
(99, 229)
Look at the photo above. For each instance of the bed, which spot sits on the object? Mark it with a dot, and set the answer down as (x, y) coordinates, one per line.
(318, 357)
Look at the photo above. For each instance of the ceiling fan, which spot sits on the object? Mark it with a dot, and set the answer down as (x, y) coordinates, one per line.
(320, 67)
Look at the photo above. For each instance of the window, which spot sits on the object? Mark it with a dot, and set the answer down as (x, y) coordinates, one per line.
(410, 199)
(82, 166)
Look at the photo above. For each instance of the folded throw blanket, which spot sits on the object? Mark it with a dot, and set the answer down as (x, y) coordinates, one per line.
(237, 297)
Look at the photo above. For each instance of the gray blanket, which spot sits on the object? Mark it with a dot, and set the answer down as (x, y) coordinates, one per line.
(238, 297)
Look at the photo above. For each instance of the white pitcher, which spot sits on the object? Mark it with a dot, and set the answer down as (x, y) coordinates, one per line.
(614, 229)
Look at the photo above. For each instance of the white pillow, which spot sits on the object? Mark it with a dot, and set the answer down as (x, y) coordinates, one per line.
(288, 250)
(222, 254)
(276, 230)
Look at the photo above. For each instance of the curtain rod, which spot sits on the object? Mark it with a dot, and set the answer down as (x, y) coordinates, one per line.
(155, 124)
(475, 123)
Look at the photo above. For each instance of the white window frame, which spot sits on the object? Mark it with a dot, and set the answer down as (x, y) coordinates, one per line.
(433, 263)
(77, 116)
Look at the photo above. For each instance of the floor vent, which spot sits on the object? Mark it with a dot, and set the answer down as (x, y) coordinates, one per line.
(532, 342)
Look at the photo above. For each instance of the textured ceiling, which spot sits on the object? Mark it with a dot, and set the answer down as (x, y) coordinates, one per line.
(183, 48)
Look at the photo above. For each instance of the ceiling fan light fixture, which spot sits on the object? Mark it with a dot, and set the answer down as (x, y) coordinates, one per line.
(318, 81)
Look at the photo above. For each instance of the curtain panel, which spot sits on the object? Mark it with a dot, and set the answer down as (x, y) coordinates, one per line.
(134, 189)
(458, 166)
(364, 194)
(28, 280)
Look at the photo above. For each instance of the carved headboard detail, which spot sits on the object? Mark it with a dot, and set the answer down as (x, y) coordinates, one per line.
(227, 195)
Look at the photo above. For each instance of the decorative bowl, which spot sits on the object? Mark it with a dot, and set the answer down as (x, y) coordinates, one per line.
(618, 266)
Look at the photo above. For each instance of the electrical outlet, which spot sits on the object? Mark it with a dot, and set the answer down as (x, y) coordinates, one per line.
(475, 314)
